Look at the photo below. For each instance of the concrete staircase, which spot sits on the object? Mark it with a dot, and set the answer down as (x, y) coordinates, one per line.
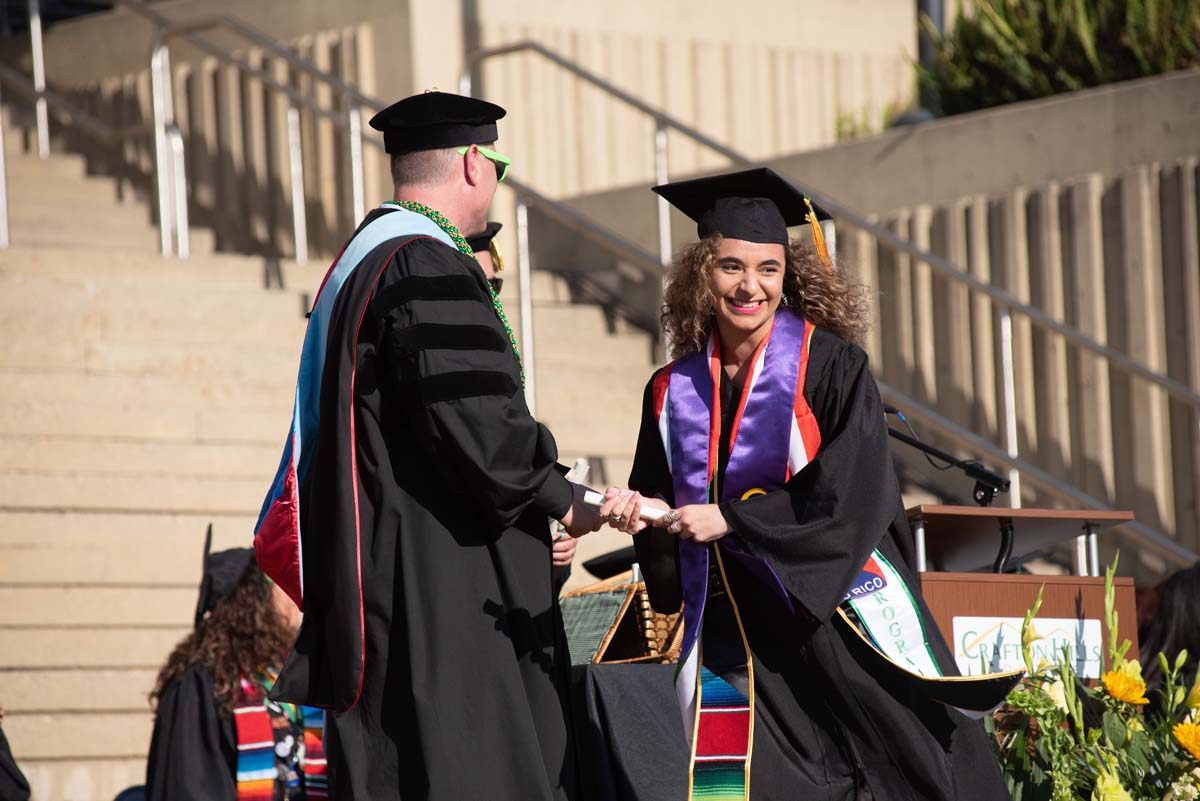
(142, 398)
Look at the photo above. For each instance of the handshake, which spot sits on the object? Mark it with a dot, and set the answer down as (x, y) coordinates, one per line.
(630, 512)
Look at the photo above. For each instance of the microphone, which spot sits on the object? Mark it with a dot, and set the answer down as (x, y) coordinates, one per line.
(890, 409)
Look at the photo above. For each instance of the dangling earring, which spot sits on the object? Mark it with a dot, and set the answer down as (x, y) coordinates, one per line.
(786, 301)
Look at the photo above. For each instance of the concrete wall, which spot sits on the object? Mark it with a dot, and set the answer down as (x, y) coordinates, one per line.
(772, 79)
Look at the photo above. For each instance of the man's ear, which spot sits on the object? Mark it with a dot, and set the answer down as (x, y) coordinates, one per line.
(473, 165)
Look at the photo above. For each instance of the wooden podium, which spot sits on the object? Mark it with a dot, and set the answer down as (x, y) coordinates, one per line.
(955, 545)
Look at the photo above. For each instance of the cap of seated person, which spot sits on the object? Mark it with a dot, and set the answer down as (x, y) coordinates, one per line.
(483, 245)
(222, 571)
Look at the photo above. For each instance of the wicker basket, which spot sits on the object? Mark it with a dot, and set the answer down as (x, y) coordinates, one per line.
(629, 629)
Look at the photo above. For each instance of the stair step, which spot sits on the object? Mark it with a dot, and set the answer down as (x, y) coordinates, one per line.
(178, 424)
(274, 363)
(84, 780)
(100, 389)
(96, 606)
(75, 735)
(96, 548)
(65, 490)
(162, 459)
(122, 265)
(144, 647)
(28, 691)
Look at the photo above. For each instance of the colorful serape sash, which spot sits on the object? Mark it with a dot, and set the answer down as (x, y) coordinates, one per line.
(277, 536)
(257, 770)
(687, 402)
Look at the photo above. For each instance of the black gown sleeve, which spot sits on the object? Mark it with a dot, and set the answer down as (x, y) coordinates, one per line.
(656, 550)
(449, 358)
(818, 531)
(193, 751)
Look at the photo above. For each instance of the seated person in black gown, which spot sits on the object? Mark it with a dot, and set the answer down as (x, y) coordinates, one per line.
(806, 642)
(215, 736)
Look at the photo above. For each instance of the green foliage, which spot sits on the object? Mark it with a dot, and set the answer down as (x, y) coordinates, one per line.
(1050, 752)
(1012, 50)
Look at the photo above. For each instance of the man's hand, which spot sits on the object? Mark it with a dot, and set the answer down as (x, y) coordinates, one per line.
(563, 550)
(622, 509)
(580, 518)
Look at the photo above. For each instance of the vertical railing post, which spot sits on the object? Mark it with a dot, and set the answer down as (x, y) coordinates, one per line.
(159, 65)
(39, 78)
(661, 176)
(357, 188)
(1009, 397)
(4, 241)
(525, 279)
(464, 81)
(179, 193)
(296, 167)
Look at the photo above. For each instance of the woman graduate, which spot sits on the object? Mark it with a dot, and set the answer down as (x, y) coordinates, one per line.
(216, 737)
(811, 668)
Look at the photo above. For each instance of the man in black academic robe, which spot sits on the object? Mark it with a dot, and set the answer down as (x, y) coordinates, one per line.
(430, 624)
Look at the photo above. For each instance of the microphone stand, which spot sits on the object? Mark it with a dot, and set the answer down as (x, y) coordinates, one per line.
(987, 483)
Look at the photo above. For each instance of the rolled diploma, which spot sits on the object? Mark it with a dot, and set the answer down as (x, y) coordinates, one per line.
(593, 498)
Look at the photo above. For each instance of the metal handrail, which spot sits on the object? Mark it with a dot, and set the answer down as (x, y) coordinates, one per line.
(259, 39)
(1146, 537)
(891, 240)
(68, 111)
(172, 182)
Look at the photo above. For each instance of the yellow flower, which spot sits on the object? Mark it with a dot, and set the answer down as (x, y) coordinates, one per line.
(1030, 635)
(1108, 788)
(1193, 698)
(1126, 684)
(1188, 735)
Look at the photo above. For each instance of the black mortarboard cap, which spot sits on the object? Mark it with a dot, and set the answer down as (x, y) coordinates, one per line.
(757, 205)
(483, 239)
(222, 571)
(435, 120)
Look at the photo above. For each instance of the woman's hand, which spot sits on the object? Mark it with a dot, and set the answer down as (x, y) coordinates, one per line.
(622, 509)
(702, 522)
(562, 550)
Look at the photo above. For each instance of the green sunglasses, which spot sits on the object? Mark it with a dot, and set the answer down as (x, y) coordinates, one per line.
(502, 162)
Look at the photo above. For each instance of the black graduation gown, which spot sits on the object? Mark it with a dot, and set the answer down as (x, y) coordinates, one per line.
(193, 750)
(13, 786)
(430, 621)
(824, 723)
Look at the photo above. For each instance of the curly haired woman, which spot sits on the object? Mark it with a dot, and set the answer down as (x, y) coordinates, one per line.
(806, 643)
(216, 736)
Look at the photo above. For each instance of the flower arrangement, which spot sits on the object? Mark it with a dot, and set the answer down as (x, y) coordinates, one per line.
(1060, 740)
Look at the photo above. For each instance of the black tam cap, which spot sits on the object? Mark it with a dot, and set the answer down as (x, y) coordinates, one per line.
(435, 120)
(482, 240)
(756, 205)
(222, 571)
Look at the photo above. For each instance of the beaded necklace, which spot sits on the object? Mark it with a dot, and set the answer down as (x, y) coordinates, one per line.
(460, 242)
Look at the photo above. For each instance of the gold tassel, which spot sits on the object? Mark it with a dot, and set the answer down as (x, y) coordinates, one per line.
(818, 236)
(497, 259)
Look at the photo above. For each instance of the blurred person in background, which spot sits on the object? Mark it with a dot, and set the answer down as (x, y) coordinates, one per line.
(216, 737)
(487, 253)
(1174, 627)
(13, 786)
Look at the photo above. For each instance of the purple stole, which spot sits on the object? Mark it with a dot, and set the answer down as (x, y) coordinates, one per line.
(687, 406)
